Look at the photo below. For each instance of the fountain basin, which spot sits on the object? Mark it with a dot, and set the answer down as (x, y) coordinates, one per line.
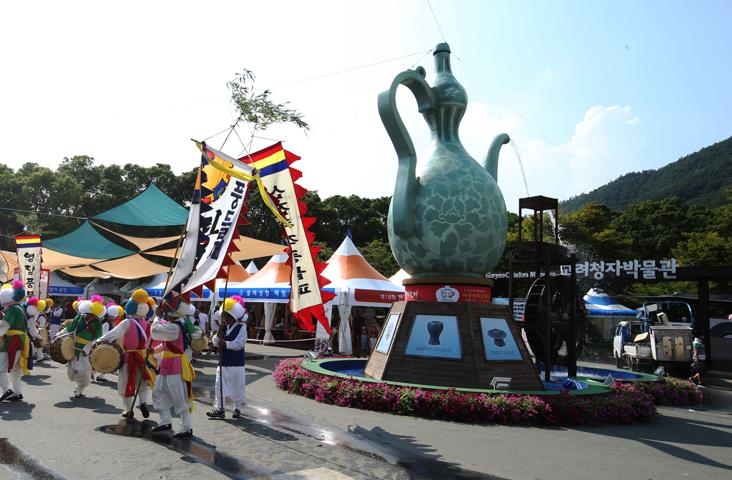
(591, 378)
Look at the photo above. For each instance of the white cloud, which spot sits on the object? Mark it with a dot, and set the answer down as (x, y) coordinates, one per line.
(606, 144)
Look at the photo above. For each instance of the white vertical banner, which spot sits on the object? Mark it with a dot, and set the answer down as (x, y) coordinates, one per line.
(218, 224)
(28, 248)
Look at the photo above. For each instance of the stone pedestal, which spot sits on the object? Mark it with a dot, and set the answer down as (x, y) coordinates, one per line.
(452, 344)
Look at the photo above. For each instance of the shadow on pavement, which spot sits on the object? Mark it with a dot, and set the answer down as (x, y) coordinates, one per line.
(16, 411)
(95, 404)
(671, 433)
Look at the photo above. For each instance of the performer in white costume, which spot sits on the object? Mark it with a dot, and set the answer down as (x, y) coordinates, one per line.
(231, 339)
(55, 320)
(16, 333)
(86, 327)
(131, 330)
(173, 392)
(34, 310)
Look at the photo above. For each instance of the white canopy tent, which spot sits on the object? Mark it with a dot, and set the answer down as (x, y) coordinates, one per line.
(356, 283)
(399, 276)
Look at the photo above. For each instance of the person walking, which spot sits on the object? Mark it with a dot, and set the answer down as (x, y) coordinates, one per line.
(131, 331)
(16, 332)
(231, 340)
(698, 358)
(34, 310)
(86, 328)
(173, 392)
(55, 320)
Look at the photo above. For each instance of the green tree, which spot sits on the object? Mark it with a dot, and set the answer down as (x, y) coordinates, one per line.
(703, 249)
(378, 254)
(590, 232)
(652, 227)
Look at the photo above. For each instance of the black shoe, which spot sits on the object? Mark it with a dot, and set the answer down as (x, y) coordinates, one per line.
(185, 434)
(236, 414)
(162, 428)
(15, 398)
(145, 411)
(6, 395)
(129, 414)
(216, 413)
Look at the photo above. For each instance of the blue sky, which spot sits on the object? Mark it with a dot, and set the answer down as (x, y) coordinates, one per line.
(588, 90)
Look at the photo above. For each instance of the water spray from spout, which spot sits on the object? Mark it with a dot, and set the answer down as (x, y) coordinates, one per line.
(521, 165)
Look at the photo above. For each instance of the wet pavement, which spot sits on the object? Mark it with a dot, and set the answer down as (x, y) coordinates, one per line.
(51, 436)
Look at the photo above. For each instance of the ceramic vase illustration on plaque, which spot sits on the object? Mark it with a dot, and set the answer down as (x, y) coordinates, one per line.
(434, 328)
(498, 336)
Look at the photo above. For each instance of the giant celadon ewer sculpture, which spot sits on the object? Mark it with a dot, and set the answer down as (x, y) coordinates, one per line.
(447, 228)
(447, 218)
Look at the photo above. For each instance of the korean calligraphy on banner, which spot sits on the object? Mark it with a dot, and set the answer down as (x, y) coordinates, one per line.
(279, 180)
(28, 248)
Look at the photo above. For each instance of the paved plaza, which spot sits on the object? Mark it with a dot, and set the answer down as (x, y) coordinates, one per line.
(51, 436)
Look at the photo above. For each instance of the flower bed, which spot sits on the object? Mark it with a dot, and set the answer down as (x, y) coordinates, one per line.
(626, 402)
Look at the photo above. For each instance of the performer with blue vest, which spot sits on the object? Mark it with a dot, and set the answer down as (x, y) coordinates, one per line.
(231, 339)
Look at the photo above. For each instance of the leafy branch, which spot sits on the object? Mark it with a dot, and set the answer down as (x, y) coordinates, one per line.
(257, 108)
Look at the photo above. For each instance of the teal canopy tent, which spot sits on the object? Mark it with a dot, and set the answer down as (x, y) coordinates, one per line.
(86, 242)
(151, 208)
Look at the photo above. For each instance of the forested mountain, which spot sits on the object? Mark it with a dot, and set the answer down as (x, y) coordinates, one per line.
(700, 178)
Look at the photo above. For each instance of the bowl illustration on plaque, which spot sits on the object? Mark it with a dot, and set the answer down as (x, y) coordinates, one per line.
(447, 294)
(434, 328)
(497, 335)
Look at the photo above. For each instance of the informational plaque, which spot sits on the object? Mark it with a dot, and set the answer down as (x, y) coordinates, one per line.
(434, 336)
(386, 338)
(498, 341)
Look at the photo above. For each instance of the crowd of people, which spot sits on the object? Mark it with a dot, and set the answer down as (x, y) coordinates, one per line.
(148, 344)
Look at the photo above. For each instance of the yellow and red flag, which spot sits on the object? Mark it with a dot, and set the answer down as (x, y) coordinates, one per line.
(279, 179)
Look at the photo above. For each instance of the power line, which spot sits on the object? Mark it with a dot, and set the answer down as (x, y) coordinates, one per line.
(42, 213)
(436, 22)
(353, 69)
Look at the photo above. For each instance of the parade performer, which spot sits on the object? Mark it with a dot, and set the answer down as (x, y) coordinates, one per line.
(173, 392)
(55, 320)
(131, 330)
(192, 330)
(34, 311)
(231, 339)
(86, 327)
(15, 345)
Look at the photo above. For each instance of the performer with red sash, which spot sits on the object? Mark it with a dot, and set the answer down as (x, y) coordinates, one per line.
(173, 392)
(15, 348)
(131, 330)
